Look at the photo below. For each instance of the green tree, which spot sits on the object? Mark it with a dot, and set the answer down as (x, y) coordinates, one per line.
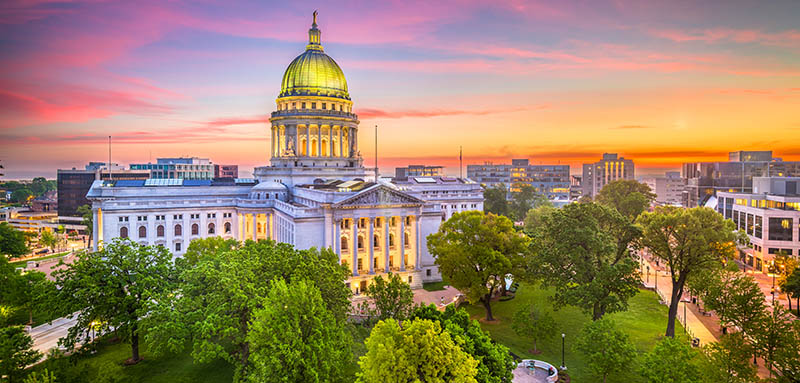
(532, 323)
(729, 360)
(420, 352)
(535, 218)
(773, 333)
(784, 266)
(212, 307)
(473, 251)
(45, 376)
(495, 201)
(792, 287)
(48, 239)
(293, 337)
(390, 298)
(606, 348)
(114, 286)
(688, 241)
(496, 363)
(87, 219)
(12, 241)
(21, 195)
(524, 198)
(737, 300)
(785, 360)
(16, 353)
(629, 197)
(671, 360)
(206, 247)
(581, 250)
(32, 290)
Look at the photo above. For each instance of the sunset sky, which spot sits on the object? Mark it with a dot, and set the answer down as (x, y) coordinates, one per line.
(660, 82)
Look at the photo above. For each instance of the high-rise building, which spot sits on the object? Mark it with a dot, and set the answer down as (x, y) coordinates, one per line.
(73, 184)
(187, 168)
(550, 180)
(668, 189)
(226, 171)
(610, 168)
(705, 179)
(419, 171)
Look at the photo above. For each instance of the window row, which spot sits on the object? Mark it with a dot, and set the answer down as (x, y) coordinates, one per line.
(177, 230)
(376, 242)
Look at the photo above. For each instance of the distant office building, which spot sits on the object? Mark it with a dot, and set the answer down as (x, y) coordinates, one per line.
(551, 180)
(73, 184)
(608, 169)
(45, 202)
(575, 188)
(187, 168)
(226, 171)
(419, 171)
(668, 189)
(705, 179)
(770, 215)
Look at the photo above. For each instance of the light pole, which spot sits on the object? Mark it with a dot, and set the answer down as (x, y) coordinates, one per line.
(685, 330)
(648, 274)
(563, 337)
(773, 282)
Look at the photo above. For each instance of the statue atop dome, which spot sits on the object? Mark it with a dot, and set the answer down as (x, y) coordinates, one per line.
(314, 23)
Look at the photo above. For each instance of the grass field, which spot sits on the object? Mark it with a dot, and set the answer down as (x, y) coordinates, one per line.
(24, 263)
(434, 286)
(645, 322)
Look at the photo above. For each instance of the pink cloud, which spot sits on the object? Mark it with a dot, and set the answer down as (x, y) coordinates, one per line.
(368, 113)
(785, 38)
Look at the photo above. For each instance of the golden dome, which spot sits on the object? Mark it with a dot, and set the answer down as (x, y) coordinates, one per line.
(314, 73)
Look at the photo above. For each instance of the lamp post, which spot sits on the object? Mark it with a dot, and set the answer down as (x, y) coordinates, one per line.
(563, 337)
(773, 282)
(648, 274)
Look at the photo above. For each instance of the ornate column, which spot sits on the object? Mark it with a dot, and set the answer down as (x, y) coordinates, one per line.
(386, 243)
(371, 243)
(337, 242)
(308, 140)
(341, 153)
(96, 229)
(319, 140)
(354, 251)
(255, 223)
(273, 142)
(417, 243)
(330, 141)
(402, 243)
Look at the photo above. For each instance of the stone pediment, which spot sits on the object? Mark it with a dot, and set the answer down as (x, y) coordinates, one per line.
(379, 195)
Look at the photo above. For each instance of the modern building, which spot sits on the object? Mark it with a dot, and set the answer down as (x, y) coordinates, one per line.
(575, 188)
(187, 168)
(770, 215)
(610, 168)
(419, 171)
(226, 171)
(668, 189)
(45, 202)
(314, 193)
(705, 179)
(73, 184)
(553, 181)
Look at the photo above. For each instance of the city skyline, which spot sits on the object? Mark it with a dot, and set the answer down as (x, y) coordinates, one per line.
(660, 84)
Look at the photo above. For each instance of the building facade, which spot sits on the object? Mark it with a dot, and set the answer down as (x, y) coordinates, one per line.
(73, 184)
(668, 189)
(187, 168)
(553, 181)
(314, 193)
(419, 171)
(610, 168)
(226, 171)
(705, 179)
(770, 215)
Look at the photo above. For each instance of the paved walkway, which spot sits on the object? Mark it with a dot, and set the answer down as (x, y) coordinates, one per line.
(46, 336)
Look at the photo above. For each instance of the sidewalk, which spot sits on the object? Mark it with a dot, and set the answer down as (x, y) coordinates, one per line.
(46, 336)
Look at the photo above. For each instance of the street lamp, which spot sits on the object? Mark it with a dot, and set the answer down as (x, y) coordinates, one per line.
(563, 337)
(648, 274)
(773, 282)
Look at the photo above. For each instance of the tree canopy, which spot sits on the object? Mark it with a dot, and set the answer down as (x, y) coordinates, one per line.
(87, 218)
(474, 253)
(12, 241)
(294, 338)
(688, 241)
(606, 348)
(419, 352)
(495, 201)
(390, 298)
(671, 360)
(525, 197)
(629, 197)
(16, 352)
(729, 360)
(111, 288)
(533, 323)
(736, 298)
(581, 250)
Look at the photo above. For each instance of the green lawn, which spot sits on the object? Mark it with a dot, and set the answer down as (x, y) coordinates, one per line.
(24, 263)
(645, 322)
(434, 286)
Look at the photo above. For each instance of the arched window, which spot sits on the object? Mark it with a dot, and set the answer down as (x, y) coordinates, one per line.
(360, 242)
(376, 241)
(178, 230)
(142, 232)
(195, 229)
(391, 240)
(344, 243)
(211, 228)
(123, 232)
(227, 227)
(258, 227)
(406, 243)
(160, 231)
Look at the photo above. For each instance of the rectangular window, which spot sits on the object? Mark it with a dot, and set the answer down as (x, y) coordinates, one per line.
(757, 231)
(750, 224)
(313, 105)
(324, 106)
(780, 229)
(303, 105)
(177, 246)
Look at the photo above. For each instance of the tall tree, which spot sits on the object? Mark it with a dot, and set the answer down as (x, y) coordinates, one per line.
(737, 300)
(525, 197)
(16, 353)
(729, 360)
(32, 290)
(48, 239)
(581, 250)
(535, 218)
(688, 241)
(774, 333)
(21, 195)
(390, 298)
(213, 305)
(113, 285)
(495, 200)
(606, 348)
(671, 360)
(87, 219)
(473, 251)
(532, 323)
(419, 352)
(12, 241)
(784, 266)
(784, 359)
(495, 362)
(792, 287)
(294, 338)
(629, 197)
(206, 247)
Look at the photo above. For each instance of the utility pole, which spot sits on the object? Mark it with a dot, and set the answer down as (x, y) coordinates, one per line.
(376, 153)
(461, 162)
(110, 177)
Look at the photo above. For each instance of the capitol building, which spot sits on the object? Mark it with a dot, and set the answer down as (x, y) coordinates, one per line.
(315, 192)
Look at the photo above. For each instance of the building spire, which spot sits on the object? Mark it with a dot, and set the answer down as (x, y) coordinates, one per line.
(314, 34)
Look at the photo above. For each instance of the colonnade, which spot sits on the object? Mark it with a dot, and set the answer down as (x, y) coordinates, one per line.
(405, 246)
(308, 140)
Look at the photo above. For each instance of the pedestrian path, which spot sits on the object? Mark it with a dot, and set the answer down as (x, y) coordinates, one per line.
(46, 336)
